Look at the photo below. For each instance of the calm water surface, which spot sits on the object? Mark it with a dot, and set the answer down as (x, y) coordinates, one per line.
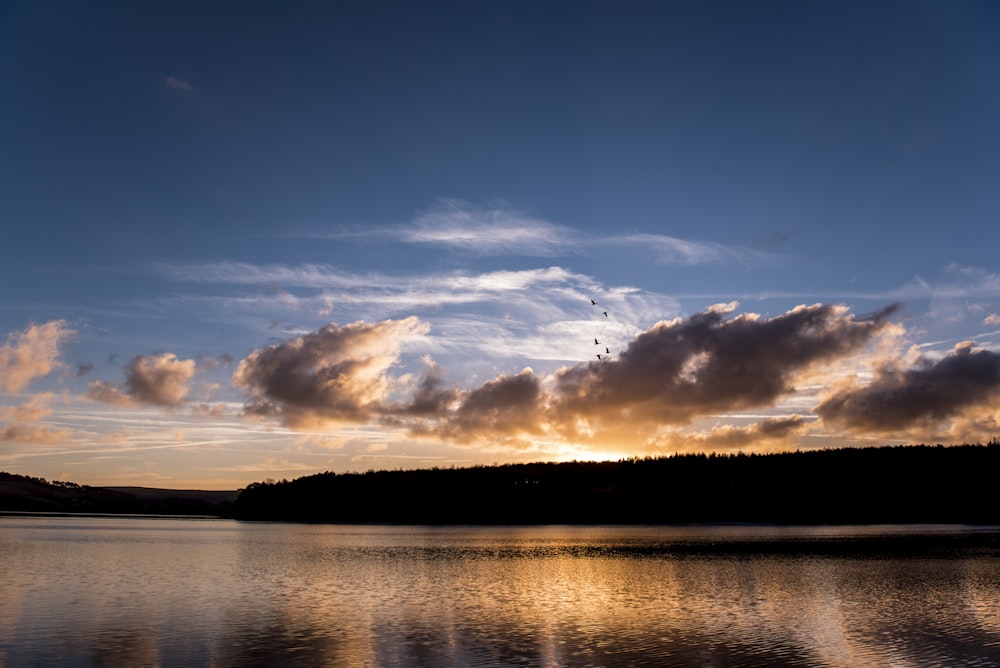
(144, 592)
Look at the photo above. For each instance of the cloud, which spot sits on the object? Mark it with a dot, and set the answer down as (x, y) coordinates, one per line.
(178, 85)
(108, 393)
(993, 320)
(709, 363)
(770, 434)
(928, 394)
(507, 408)
(496, 231)
(431, 397)
(34, 433)
(159, 379)
(448, 287)
(31, 353)
(30, 411)
(502, 230)
(671, 250)
(19, 423)
(669, 375)
(335, 374)
(207, 363)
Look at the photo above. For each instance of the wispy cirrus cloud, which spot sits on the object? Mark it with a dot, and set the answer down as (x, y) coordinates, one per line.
(674, 251)
(505, 231)
(459, 225)
(387, 290)
(955, 282)
(542, 313)
(179, 85)
(490, 231)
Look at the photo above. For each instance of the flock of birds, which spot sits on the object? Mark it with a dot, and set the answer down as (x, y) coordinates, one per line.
(607, 351)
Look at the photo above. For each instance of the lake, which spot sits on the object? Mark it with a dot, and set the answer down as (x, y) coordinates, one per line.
(104, 591)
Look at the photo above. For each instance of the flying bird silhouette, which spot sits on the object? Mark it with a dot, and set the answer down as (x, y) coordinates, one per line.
(607, 350)
(596, 342)
(593, 303)
(605, 314)
(598, 355)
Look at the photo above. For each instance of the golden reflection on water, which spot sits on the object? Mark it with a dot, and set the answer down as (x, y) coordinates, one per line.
(227, 594)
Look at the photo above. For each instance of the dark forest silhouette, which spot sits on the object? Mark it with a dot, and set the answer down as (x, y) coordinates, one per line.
(955, 484)
(898, 484)
(20, 493)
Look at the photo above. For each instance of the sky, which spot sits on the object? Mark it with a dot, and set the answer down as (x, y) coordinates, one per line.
(259, 240)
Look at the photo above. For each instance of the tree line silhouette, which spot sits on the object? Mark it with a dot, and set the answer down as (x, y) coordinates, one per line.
(20, 493)
(891, 484)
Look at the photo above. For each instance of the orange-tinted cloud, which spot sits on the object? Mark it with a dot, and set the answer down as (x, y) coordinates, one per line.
(709, 363)
(770, 434)
(34, 433)
(335, 374)
(159, 379)
(108, 393)
(19, 423)
(31, 411)
(926, 395)
(31, 353)
(668, 376)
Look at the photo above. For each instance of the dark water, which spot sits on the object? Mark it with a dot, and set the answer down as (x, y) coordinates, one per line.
(119, 592)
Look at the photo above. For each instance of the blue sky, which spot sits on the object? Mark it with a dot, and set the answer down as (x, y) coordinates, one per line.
(260, 240)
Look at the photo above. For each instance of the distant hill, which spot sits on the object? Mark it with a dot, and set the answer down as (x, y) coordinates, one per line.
(921, 484)
(26, 494)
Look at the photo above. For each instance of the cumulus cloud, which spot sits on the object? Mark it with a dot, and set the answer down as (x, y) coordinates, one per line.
(926, 395)
(159, 379)
(708, 363)
(993, 319)
(506, 409)
(31, 353)
(667, 376)
(179, 85)
(335, 374)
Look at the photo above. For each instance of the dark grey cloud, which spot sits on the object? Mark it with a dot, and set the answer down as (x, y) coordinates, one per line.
(505, 408)
(931, 392)
(709, 362)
